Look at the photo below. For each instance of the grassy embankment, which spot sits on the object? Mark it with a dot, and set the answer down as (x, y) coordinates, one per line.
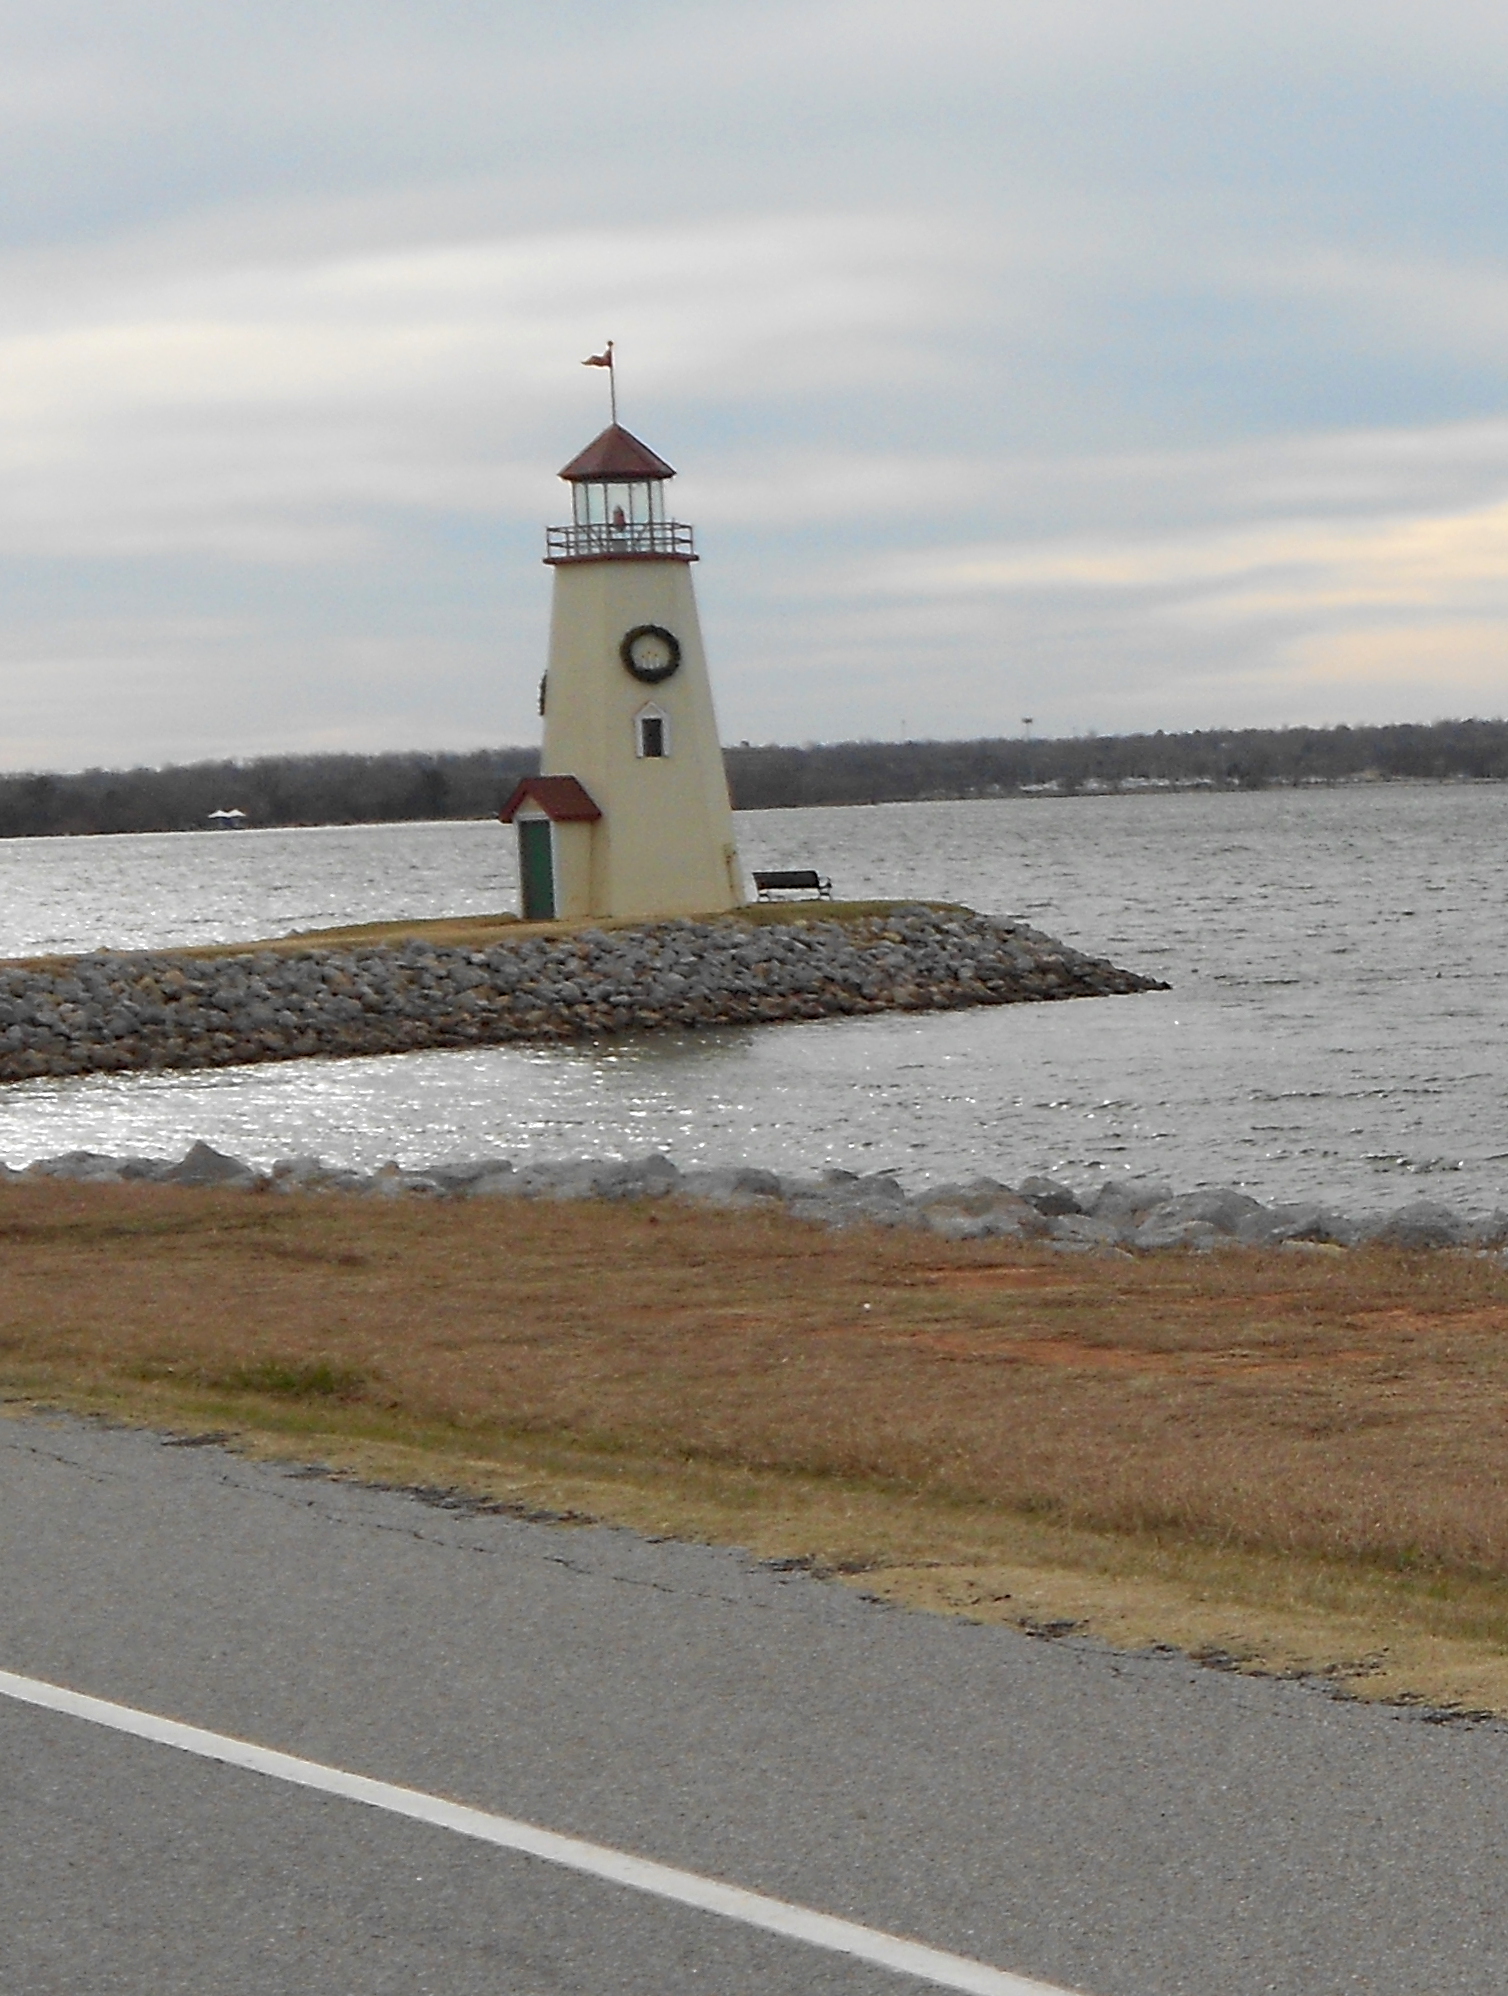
(1289, 1461)
(482, 931)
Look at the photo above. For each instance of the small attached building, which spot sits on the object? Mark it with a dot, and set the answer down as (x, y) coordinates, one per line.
(554, 817)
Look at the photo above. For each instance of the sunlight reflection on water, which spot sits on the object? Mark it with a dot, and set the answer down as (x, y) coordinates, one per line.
(1338, 961)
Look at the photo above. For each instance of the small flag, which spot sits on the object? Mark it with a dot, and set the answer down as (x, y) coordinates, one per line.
(603, 359)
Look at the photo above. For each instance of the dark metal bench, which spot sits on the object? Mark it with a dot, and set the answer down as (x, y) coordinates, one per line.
(793, 880)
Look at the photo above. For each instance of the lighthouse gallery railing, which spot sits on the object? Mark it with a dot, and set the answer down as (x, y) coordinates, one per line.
(597, 541)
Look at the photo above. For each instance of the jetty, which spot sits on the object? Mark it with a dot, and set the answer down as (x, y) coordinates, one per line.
(488, 981)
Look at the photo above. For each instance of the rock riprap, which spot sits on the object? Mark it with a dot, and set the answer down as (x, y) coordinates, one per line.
(1117, 1217)
(105, 1013)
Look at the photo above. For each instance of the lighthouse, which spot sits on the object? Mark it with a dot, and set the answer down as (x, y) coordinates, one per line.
(629, 816)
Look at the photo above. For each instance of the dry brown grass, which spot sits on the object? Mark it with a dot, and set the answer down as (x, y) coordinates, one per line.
(482, 931)
(1283, 1444)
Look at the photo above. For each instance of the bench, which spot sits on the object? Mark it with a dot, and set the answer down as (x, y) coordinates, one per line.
(793, 880)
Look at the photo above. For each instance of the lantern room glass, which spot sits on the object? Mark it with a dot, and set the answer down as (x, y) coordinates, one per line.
(618, 504)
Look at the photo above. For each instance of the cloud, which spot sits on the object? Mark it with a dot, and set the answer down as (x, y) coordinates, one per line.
(1275, 574)
(274, 413)
(1466, 665)
(1121, 365)
(1398, 304)
(178, 688)
(1275, 568)
(1232, 620)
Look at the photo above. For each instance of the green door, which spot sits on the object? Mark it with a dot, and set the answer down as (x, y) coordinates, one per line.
(536, 869)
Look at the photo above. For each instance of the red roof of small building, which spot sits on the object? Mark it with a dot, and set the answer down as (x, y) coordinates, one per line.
(616, 454)
(559, 797)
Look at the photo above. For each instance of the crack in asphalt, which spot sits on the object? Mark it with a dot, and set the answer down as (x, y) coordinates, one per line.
(262, 1480)
(267, 1481)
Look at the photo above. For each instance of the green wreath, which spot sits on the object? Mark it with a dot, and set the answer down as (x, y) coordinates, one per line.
(650, 674)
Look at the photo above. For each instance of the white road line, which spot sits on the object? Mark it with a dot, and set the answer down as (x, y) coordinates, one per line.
(641, 1874)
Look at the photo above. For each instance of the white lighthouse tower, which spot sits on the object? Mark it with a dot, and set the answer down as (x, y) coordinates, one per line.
(630, 815)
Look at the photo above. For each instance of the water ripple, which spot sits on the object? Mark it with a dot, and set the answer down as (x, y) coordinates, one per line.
(1331, 952)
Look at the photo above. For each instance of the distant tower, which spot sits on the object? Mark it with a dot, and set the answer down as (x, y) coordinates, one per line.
(630, 813)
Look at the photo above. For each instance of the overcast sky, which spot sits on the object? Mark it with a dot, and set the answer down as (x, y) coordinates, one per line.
(1127, 366)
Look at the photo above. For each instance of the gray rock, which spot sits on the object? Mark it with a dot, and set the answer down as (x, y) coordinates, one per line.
(82, 1167)
(1049, 1196)
(731, 1186)
(1308, 1221)
(566, 1179)
(1189, 1219)
(597, 1178)
(1157, 1232)
(971, 1195)
(637, 1178)
(502, 1184)
(459, 1174)
(836, 1206)
(204, 1165)
(1086, 1230)
(1224, 1209)
(1001, 1212)
(1121, 1198)
(407, 1184)
(792, 1188)
(954, 1225)
(880, 1185)
(344, 1181)
(982, 1198)
(1424, 1224)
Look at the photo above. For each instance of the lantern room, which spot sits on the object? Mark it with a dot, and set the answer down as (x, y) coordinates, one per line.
(618, 506)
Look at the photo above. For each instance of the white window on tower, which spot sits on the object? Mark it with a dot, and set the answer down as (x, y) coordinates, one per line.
(651, 732)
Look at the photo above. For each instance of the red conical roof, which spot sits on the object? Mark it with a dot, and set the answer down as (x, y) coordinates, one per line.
(616, 454)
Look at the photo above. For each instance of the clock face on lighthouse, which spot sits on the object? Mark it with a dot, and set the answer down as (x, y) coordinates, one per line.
(650, 653)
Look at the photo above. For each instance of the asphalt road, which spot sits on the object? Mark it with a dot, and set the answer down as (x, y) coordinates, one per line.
(1126, 1826)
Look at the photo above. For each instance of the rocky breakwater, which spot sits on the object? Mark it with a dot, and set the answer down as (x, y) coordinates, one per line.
(105, 1013)
(1118, 1217)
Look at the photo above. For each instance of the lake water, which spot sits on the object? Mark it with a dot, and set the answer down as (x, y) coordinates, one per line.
(1338, 958)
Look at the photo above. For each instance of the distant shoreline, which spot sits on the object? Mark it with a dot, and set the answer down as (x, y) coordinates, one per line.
(1030, 794)
(288, 791)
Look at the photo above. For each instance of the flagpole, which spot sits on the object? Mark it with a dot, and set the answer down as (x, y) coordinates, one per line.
(605, 359)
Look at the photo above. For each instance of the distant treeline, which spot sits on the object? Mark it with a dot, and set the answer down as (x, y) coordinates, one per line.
(1217, 759)
(272, 790)
(367, 789)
